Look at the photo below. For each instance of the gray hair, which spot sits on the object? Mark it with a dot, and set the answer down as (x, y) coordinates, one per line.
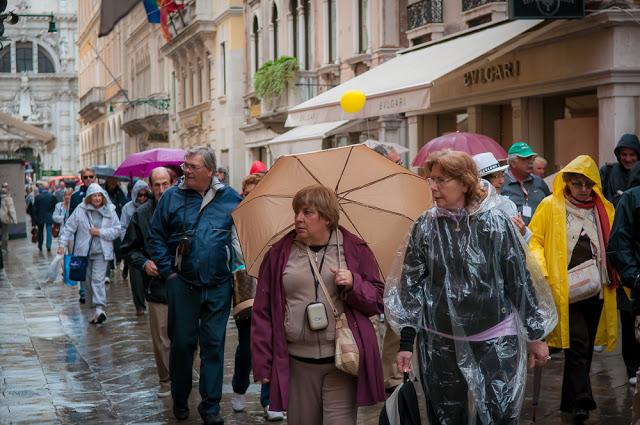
(223, 170)
(87, 169)
(207, 154)
(512, 158)
(159, 170)
(544, 161)
(381, 150)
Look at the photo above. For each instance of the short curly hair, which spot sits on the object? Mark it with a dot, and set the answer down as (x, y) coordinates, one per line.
(461, 167)
(321, 199)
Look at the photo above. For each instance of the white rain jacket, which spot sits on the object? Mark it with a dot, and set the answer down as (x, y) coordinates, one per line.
(131, 206)
(79, 223)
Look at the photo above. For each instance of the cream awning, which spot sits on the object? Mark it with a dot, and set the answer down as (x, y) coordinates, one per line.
(402, 83)
(306, 138)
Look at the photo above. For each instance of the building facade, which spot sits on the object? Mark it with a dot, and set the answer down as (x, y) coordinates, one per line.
(564, 86)
(100, 89)
(38, 85)
(206, 51)
(333, 41)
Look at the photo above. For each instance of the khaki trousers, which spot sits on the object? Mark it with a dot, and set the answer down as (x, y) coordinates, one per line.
(390, 348)
(320, 394)
(158, 314)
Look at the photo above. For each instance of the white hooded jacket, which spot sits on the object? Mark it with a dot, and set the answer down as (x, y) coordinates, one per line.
(78, 226)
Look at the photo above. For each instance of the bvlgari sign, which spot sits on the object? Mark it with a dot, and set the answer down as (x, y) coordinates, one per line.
(491, 73)
(546, 9)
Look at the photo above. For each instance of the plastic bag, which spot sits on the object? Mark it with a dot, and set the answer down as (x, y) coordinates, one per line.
(54, 272)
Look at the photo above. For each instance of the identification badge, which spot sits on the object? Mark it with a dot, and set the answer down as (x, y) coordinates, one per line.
(526, 211)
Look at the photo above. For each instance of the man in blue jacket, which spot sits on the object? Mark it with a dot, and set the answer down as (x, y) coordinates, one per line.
(43, 206)
(191, 243)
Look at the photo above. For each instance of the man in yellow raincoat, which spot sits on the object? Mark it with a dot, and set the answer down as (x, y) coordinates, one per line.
(577, 218)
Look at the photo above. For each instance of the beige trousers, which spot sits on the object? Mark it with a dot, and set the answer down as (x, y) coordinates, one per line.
(158, 314)
(320, 394)
(390, 347)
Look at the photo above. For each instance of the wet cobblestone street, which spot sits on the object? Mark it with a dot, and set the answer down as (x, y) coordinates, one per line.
(57, 368)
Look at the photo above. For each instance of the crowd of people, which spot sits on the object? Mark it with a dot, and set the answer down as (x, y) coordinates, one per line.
(501, 271)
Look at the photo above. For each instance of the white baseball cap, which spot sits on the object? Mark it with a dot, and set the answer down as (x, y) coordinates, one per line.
(487, 164)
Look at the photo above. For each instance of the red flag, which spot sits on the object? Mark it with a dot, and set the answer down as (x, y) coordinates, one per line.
(166, 7)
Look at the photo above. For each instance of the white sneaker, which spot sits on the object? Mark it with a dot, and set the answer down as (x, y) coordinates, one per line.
(107, 281)
(598, 348)
(238, 402)
(272, 416)
(195, 376)
(633, 380)
(164, 392)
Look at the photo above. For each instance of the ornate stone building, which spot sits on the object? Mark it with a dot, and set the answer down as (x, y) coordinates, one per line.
(38, 85)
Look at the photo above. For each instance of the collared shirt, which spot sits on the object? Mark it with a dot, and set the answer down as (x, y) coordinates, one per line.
(528, 192)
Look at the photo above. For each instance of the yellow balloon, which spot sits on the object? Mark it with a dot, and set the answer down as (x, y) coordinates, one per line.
(352, 101)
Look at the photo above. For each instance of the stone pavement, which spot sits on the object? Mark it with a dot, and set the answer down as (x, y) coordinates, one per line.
(57, 368)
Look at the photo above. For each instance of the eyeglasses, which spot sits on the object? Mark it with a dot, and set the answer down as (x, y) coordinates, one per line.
(190, 167)
(576, 184)
(88, 177)
(142, 194)
(438, 181)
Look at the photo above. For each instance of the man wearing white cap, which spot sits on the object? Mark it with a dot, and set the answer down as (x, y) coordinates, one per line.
(490, 169)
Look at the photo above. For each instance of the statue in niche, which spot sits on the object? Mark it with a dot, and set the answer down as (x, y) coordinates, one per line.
(23, 100)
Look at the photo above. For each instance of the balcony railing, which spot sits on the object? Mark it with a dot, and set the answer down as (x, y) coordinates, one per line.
(304, 87)
(146, 115)
(181, 19)
(95, 95)
(472, 4)
(423, 13)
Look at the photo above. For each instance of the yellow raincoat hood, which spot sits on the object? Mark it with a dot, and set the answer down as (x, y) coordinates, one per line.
(549, 246)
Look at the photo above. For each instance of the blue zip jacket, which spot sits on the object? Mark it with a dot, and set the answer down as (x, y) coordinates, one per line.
(210, 260)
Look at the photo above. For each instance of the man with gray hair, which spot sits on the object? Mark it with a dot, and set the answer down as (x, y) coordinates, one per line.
(525, 189)
(191, 244)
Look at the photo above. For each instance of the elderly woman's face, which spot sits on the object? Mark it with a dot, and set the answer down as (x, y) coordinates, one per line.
(580, 188)
(97, 200)
(310, 225)
(448, 192)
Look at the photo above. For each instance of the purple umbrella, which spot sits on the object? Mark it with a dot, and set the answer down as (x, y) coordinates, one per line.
(140, 164)
(471, 143)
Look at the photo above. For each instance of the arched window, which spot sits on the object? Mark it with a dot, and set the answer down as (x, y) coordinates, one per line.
(331, 30)
(45, 64)
(274, 23)
(306, 9)
(256, 44)
(293, 10)
(24, 57)
(5, 59)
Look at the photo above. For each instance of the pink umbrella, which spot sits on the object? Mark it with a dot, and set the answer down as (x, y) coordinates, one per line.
(140, 164)
(471, 143)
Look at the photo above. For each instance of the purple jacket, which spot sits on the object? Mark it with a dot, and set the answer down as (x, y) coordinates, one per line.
(269, 351)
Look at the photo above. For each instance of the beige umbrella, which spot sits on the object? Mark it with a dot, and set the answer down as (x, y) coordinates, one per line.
(379, 200)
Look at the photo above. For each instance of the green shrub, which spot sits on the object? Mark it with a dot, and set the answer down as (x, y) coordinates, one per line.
(273, 76)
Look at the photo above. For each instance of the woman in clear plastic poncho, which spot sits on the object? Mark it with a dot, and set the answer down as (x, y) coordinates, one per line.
(466, 290)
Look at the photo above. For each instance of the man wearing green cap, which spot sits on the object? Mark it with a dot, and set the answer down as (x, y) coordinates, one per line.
(525, 189)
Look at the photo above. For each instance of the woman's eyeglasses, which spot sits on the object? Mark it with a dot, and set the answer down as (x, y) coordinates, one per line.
(142, 195)
(576, 184)
(438, 181)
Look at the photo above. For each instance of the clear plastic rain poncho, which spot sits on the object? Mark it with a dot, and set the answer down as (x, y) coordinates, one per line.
(466, 282)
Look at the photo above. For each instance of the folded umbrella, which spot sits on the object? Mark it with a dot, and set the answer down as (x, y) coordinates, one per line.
(471, 143)
(379, 201)
(142, 163)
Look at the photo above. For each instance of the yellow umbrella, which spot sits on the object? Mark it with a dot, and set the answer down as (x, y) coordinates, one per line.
(379, 201)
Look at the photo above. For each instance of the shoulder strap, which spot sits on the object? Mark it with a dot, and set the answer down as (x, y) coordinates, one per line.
(316, 272)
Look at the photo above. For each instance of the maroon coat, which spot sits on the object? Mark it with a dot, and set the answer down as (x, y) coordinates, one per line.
(269, 351)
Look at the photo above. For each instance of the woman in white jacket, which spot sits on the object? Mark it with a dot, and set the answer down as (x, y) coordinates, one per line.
(92, 228)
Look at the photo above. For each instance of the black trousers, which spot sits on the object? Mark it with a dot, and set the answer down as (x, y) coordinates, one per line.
(138, 290)
(630, 346)
(584, 317)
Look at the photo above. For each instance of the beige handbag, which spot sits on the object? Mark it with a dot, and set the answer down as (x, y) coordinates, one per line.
(584, 281)
(347, 357)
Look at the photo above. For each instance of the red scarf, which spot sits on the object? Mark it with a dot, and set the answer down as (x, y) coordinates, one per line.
(605, 227)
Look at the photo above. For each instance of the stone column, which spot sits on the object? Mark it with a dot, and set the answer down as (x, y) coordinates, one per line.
(326, 40)
(618, 113)
(413, 137)
(302, 35)
(520, 108)
(474, 119)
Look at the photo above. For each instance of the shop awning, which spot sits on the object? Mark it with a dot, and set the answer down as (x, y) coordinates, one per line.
(306, 138)
(402, 83)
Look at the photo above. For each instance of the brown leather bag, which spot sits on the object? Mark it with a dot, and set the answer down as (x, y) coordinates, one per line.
(244, 291)
(34, 235)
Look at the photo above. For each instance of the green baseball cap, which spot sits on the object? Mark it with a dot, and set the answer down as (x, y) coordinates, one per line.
(522, 150)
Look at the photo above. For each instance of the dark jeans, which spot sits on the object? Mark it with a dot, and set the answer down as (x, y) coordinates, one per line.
(630, 346)
(576, 384)
(41, 228)
(242, 366)
(136, 279)
(197, 315)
